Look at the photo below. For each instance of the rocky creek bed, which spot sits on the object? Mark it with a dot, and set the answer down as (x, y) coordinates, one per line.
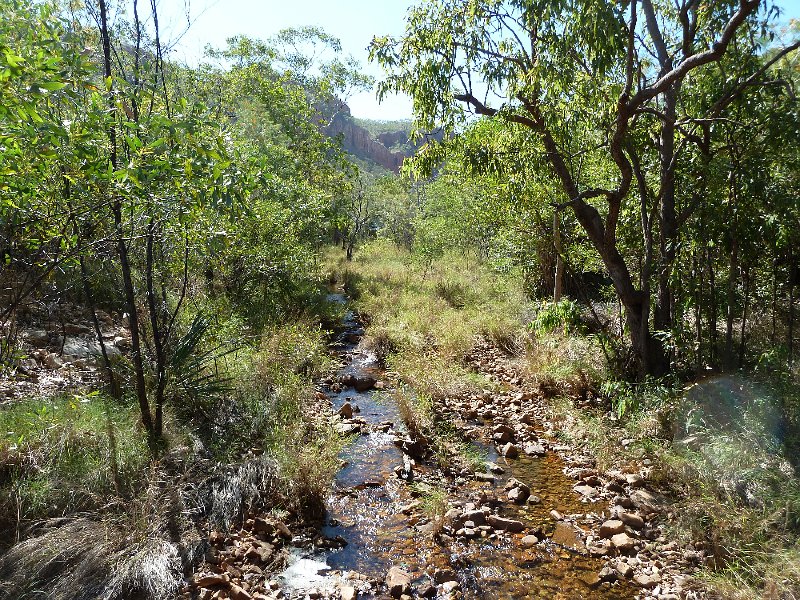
(539, 521)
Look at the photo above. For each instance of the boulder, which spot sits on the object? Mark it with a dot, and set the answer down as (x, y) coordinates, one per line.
(398, 581)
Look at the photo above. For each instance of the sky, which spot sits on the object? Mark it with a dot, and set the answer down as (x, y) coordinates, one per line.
(354, 22)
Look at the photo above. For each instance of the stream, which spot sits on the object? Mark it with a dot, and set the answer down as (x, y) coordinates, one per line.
(377, 517)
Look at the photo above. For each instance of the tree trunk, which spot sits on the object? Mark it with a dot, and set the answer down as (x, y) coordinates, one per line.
(712, 309)
(662, 314)
(792, 283)
(746, 278)
(559, 274)
(733, 270)
(122, 248)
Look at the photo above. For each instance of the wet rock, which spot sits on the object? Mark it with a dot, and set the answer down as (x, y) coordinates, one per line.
(427, 590)
(504, 524)
(567, 535)
(611, 528)
(556, 515)
(495, 468)
(364, 383)
(485, 477)
(478, 517)
(346, 411)
(347, 380)
(398, 581)
(607, 574)
(519, 494)
(631, 520)
(443, 575)
(623, 542)
(347, 592)
(347, 428)
(413, 448)
(509, 451)
(533, 499)
(448, 587)
(529, 541)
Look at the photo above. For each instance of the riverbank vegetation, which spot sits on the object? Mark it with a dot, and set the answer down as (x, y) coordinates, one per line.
(622, 224)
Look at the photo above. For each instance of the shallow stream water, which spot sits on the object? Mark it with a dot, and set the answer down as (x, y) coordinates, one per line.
(365, 509)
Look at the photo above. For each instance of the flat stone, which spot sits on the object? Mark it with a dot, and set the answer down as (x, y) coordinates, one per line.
(611, 528)
(535, 450)
(485, 477)
(631, 520)
(504, 524)
(566, 535)
(586, 491)
(647, 581)
(623, 542)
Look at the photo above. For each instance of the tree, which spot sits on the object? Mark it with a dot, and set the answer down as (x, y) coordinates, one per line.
(586, 67)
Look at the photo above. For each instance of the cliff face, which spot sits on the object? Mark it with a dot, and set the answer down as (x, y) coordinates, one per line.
(358, 141)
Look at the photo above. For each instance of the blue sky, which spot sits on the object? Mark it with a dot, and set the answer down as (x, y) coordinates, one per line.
(353, 21)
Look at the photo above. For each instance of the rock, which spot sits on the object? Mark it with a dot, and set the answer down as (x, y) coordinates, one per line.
(623, 569)
(631, 520)
(634, 480)
(556, 515)
(495, 468)
(532, 499)
(398, 582)
(623, 542)
(485, 477)
(443, 575)
(509, 451)
(567, 535)
(448, 587)
(607, 574)
(347, 428)
(647, 581)
(611, 528)
(644, 500)
(518, 495)
(238, 593)
(529, 541)
(586, 491)
(535, 450)
(504, 524)
(346, 411)
(427, 590)
(478, 517)
(364, 383)
(53, 361)
(210, 580)
(347, 592)
(38, 338)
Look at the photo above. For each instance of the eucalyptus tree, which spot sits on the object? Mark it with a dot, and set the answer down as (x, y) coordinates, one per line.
(595, 81)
